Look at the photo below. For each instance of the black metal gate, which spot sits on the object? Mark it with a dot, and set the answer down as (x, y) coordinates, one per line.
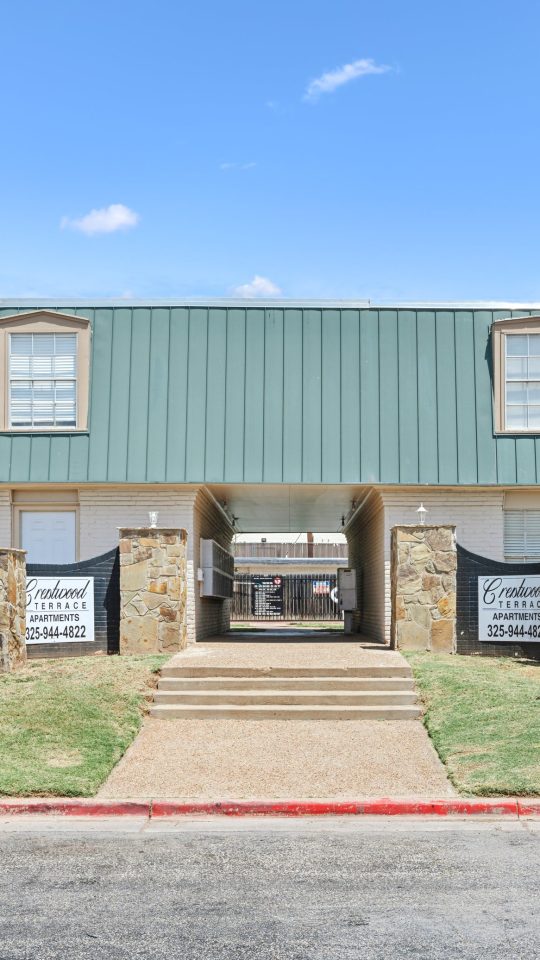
(287, 596)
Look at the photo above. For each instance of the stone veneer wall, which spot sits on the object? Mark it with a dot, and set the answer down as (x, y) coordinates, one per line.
(423, 579)
(12, 609)
(153, 590)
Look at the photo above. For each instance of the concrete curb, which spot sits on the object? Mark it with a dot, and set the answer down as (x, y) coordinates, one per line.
(309, 808)
(151, 809)
(35, 806)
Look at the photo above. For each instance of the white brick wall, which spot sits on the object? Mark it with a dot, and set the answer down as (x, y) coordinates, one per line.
(211, 616)
(477, 515)
(5, 518)
(366, 554)
(104, 509)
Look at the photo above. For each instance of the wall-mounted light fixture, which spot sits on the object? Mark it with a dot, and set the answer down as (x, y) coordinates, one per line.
(422, 514)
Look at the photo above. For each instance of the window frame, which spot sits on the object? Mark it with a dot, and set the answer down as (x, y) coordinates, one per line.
(499, 331)
(57, 500)
(47, 321)
(45, 507)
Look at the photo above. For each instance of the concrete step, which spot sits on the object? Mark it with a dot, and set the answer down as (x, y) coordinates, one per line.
(290, 712)
(285, 683)
(280, 698)
(391, 670)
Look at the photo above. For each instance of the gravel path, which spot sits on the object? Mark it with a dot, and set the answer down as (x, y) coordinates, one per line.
(298, 759)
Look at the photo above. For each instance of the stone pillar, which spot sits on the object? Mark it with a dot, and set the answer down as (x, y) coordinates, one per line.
(12, 609)
(153, 590)
(423, 580)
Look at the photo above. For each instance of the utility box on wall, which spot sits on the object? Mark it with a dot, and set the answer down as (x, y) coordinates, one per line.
(217, 567)
(347, 589)
(347, 596)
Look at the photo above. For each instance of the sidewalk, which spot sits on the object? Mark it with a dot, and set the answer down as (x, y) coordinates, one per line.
(234, 759)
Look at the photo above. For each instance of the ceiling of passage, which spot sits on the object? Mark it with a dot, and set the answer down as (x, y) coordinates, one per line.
(284, 508)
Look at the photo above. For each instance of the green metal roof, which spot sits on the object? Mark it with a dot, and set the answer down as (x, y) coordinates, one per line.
(282, 392)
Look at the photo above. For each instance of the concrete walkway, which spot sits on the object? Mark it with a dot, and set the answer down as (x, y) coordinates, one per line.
(286, 648)
(279, 759)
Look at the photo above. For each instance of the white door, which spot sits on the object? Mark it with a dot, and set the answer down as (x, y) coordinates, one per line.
(49, 536)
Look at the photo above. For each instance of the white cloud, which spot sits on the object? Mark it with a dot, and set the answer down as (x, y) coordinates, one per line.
(328, 82)
(258, 287)
(237, 166)
(106, 220)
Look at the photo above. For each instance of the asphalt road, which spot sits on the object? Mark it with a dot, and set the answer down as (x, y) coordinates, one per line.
(286, 891)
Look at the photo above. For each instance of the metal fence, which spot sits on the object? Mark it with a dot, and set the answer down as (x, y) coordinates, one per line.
(285, 597)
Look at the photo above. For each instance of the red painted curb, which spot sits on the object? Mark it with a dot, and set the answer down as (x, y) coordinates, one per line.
(529, 808)
(76, 808)
(283, 808)
(308, 808)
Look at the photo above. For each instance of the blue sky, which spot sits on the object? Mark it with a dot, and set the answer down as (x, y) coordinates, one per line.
(411, 170)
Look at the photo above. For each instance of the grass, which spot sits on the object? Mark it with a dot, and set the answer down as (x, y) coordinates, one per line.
(64, 724)
(483, 715)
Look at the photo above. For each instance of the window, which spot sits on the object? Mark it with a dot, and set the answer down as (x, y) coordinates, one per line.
(522, 381)
(516, 375)
(43, 380)
(46, 359)
(521, 535)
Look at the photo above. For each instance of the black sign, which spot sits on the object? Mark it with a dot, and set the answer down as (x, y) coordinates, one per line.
(266, 596)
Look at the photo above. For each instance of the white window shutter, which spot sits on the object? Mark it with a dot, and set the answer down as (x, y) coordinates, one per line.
(65, 355)
(522, 535)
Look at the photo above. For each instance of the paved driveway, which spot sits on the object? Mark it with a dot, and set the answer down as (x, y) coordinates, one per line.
(287, 891)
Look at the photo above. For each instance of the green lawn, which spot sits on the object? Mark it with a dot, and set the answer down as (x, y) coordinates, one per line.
(483, 715)
(64, 724)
